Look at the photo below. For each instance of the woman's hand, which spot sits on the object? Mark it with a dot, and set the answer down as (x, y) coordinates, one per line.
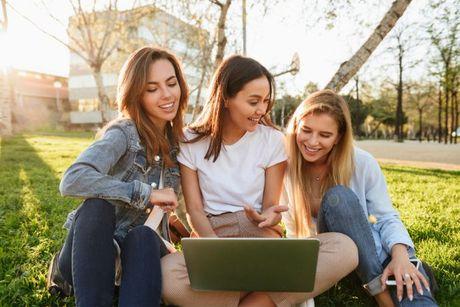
(166, 199)
(268, 218)
(405, 273)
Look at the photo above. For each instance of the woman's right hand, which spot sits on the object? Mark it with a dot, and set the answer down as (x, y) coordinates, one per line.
(166, 199)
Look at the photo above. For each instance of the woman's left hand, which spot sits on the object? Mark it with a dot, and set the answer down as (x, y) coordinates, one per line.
(405, 273)
(268, 218)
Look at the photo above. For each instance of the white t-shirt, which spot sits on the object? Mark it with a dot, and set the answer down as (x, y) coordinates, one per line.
(237, 178)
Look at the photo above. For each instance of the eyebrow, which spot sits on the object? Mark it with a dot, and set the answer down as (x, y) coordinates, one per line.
(154, 82)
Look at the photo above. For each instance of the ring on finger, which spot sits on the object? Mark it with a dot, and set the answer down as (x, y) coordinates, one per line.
(406, 276)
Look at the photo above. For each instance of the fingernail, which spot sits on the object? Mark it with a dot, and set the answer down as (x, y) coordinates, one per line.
(427, 289)
(400, 298)
(411, 297)
(420, 291)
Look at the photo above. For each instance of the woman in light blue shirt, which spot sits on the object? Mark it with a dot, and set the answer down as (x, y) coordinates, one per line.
(333, 186)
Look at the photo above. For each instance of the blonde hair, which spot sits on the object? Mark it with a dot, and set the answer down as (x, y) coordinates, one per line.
(132, 83)
(340, 159)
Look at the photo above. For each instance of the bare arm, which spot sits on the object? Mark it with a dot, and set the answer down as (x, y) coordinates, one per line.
(194, 203)
(274, 177)
(271, 211)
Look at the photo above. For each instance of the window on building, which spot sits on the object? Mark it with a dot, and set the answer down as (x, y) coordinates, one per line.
(88, 105)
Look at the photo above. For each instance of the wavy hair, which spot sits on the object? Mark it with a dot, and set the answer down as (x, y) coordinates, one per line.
(132, 83)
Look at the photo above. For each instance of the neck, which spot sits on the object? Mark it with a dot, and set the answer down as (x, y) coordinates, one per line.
(230, 133)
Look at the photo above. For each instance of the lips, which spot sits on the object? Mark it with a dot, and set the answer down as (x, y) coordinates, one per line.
(167, 106)
(310, 149)
(254, 119)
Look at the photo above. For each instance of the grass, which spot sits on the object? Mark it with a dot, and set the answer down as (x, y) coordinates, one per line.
(32, 213)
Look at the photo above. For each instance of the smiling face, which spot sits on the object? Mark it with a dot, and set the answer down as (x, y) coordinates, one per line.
(316, 135)
(248, 106)
(162, 93)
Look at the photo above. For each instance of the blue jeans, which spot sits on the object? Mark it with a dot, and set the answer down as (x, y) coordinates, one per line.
(87, 260)
(341, 212)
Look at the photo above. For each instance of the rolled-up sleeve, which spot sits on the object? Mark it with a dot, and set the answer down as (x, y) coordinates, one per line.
(88, 176)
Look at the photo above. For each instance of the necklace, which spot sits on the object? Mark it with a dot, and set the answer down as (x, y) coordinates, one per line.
(317, 178)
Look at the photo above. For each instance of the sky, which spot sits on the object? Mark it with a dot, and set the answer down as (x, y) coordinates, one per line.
(272, 38)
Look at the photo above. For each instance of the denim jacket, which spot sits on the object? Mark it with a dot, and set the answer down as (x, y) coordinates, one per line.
(115, 168)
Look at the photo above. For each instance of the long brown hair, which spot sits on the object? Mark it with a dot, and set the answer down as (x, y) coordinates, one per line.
(132, 83)
(230, 78)
(340, 160)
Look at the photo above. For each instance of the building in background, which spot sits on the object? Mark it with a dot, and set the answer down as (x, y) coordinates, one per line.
(156, 28)
(32, 100)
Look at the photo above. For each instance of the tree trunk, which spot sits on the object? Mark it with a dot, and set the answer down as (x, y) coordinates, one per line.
(455, 101)
(420, 110)
(103, 98)
(198, 94)
(221, 37)
(349, 68)
(399, 106)
(440, 114)
(446, 113)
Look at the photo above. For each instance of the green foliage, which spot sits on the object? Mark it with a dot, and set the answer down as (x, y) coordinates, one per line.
(359, 112)
(289, 103)
(32, 213)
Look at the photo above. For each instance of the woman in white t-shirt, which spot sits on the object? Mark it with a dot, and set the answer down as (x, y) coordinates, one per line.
(232, 167)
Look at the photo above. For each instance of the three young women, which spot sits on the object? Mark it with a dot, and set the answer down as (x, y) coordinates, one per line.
(131, 172)
(333, 186)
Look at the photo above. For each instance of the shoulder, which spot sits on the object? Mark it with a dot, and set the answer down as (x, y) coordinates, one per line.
(269, 133)
(364, 160)
(126, 128)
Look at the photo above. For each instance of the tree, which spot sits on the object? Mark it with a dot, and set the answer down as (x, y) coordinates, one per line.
(349, 68)
(359, 113)
(422, 97)
(445, 38)
(93, 34)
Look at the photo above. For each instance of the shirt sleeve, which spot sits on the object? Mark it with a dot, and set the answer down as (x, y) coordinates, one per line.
(88, 176)
(276, 147)
(388, 223)
(185, 155)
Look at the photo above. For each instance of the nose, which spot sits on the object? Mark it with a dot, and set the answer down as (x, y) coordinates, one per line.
(261, 109)
(313, 139)
(166, 93)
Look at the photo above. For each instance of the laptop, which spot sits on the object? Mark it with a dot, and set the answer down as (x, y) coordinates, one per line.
(251, 264)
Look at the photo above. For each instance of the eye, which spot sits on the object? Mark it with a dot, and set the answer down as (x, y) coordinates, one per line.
(253, 103)
(325, 135)
(151, 90)
(172, 84)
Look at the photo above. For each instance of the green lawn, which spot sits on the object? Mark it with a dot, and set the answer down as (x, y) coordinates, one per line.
(32, 213)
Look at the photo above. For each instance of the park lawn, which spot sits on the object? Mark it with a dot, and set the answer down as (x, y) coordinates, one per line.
(32, 213)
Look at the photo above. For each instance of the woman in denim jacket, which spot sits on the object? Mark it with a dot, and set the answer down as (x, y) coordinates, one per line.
(128, 177)
(342, 188)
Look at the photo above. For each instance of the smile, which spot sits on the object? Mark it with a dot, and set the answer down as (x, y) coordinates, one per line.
(309, 149)
(254, 119)
(167, 106)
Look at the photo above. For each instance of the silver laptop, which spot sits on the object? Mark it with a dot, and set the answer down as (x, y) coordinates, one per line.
(251, 264)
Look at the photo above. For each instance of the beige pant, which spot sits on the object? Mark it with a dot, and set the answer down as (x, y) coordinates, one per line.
(338, 256)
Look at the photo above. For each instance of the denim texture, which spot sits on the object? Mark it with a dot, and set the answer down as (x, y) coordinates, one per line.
(87, 260)
(115, 168)
(341, 212)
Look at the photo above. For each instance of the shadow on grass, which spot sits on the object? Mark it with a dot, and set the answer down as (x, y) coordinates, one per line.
(31, 216)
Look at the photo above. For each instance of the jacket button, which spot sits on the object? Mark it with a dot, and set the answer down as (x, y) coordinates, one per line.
(156, 158)
(154, 185)
(148, 210)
